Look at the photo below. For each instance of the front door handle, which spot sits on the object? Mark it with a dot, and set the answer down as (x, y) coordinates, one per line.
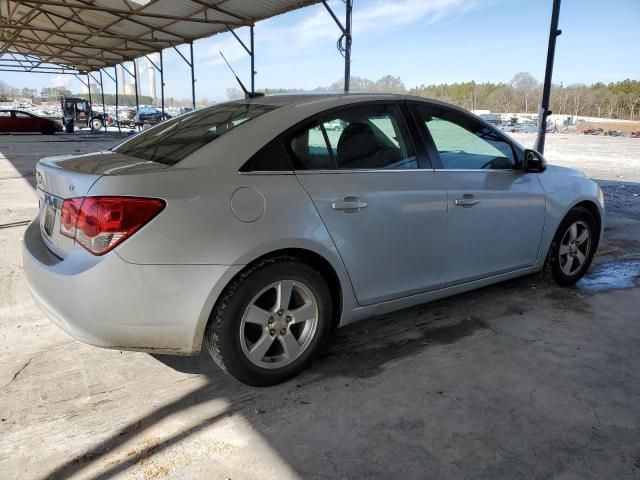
(349, 204)
(466, 201)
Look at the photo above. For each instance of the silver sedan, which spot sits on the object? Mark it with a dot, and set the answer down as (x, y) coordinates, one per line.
(257, 226)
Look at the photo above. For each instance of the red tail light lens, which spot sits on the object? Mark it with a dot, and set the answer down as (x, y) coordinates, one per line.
(101, 223)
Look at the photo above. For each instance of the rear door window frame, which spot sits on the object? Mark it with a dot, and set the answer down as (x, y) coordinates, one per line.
(318, 119)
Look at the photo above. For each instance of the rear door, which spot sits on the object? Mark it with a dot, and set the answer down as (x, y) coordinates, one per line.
(496, 211)
(381, 202)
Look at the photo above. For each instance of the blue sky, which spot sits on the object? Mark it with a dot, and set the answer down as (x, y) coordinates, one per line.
(421, 41)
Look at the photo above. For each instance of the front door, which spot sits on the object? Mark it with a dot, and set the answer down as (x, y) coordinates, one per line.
(385, 213)
(496, 211)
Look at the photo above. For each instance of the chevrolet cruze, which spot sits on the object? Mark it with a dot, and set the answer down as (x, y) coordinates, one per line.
(255, 227)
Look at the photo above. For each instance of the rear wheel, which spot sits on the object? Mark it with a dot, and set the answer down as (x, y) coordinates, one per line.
(96, 124)
(270, 322)
(573, 248)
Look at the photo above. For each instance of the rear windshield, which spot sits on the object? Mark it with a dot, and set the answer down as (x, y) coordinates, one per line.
(174, 139)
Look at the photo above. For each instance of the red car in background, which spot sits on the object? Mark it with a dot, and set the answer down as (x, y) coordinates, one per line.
(19, 121)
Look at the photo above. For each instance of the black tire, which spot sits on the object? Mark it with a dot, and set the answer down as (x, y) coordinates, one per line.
(552, 268)
(222, 336)
(48, 131)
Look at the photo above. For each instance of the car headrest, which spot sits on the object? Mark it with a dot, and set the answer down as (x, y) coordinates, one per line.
(356, 141)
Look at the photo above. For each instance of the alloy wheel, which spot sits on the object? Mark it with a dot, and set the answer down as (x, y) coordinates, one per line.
(279, 324)
(574, 248)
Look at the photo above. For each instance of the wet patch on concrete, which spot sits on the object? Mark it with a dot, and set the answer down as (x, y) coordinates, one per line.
(611, 276)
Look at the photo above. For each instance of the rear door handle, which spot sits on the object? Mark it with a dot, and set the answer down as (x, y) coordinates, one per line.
(349, 203)
(466, 201)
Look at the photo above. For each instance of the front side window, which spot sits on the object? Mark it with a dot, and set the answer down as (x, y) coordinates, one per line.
(366, 137)
(464, 143)
(22, 115)
(178, 137)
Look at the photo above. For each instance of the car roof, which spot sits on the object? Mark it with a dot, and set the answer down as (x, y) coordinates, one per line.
(290, 99)
(329, 100)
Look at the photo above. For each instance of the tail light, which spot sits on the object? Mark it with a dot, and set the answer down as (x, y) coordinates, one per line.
(101, 223)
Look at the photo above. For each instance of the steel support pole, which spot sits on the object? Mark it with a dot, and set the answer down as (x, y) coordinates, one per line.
(193, 78)
(253, 62)
(135, 80)
(104, 111)
(345, 50)
(162, 84)
(347, 47)
(89, 90)
(115, 71)
(546, 89)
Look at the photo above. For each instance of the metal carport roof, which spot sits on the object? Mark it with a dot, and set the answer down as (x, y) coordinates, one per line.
(87, 35)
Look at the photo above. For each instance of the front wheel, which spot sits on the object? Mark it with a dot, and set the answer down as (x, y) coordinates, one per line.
(270, 322)
(573, 248)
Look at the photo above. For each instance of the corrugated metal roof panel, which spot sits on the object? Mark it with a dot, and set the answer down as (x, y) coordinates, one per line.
(60, 31)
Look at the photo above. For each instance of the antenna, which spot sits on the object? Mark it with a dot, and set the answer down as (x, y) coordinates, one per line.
(247, 93)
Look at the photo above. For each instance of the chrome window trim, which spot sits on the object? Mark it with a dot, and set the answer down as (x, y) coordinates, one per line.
(268, 172)
(505, 170)
(362, 170)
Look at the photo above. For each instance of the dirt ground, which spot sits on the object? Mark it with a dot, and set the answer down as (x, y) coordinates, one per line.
(518, 380)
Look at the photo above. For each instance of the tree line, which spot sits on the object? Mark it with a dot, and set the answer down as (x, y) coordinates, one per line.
(521, 95)
(524, 93)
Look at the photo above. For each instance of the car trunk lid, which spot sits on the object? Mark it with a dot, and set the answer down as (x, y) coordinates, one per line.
(59, 178)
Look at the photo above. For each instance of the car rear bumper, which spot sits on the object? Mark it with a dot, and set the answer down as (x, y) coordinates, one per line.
(108, 302)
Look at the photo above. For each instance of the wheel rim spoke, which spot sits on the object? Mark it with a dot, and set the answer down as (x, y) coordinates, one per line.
(566, 268)
(259, 349)
(564, 249)
(284, 289)
(303, 314)
(290, 345)
(580, 257)
(583, 237)
(573, 232)
(257, 315)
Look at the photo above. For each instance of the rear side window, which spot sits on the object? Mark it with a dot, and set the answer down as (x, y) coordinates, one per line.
(270, 158)
(364, 137)
(174, 139)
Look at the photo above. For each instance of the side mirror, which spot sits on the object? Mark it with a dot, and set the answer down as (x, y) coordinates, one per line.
(534, 161)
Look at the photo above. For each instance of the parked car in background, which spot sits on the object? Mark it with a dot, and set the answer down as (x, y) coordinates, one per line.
(19, 121)
(250, 229)
(144, 117)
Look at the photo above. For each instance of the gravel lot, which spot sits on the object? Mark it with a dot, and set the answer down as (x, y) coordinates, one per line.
(518, 380)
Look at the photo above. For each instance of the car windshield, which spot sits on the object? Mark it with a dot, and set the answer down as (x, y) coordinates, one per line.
(174, 139)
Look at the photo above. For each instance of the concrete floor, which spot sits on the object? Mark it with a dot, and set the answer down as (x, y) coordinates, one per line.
(518, 380)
